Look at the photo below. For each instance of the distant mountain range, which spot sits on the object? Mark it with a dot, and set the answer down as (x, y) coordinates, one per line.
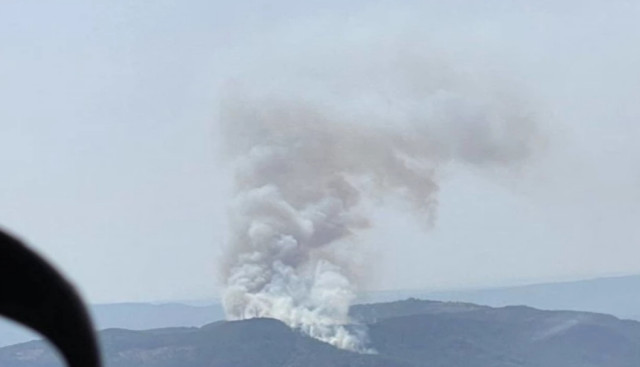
(409, 333)
(618, 296)
(134, 316)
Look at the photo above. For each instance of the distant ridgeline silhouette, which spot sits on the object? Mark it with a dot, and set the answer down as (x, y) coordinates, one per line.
(34, 294)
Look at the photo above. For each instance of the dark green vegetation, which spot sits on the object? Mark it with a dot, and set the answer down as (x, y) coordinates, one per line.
(408, 333)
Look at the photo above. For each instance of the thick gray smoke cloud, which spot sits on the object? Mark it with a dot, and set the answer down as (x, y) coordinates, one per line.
(308, 157)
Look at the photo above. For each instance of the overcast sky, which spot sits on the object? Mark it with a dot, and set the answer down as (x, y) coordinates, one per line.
(109, 145)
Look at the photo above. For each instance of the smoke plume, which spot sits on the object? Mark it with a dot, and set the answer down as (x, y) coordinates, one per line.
(308, 157)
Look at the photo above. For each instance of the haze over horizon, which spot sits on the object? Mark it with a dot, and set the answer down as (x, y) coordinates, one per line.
(111, 155)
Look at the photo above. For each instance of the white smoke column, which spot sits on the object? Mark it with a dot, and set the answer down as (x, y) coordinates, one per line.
(305, 163)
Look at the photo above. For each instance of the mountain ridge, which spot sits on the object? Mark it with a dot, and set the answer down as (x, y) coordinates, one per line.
(409, 333)
(615, 295)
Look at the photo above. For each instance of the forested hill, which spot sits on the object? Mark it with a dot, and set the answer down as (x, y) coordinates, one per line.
(407, 333)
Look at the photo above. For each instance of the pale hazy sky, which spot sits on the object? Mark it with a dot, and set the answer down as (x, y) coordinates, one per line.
(109, 145)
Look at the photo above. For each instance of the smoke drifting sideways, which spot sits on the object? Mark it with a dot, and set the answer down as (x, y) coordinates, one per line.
(308, 158)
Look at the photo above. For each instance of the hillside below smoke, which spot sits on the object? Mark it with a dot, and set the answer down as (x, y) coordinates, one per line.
(409, 333)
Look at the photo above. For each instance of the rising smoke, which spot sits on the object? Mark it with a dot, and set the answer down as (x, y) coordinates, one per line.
(308, 157)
